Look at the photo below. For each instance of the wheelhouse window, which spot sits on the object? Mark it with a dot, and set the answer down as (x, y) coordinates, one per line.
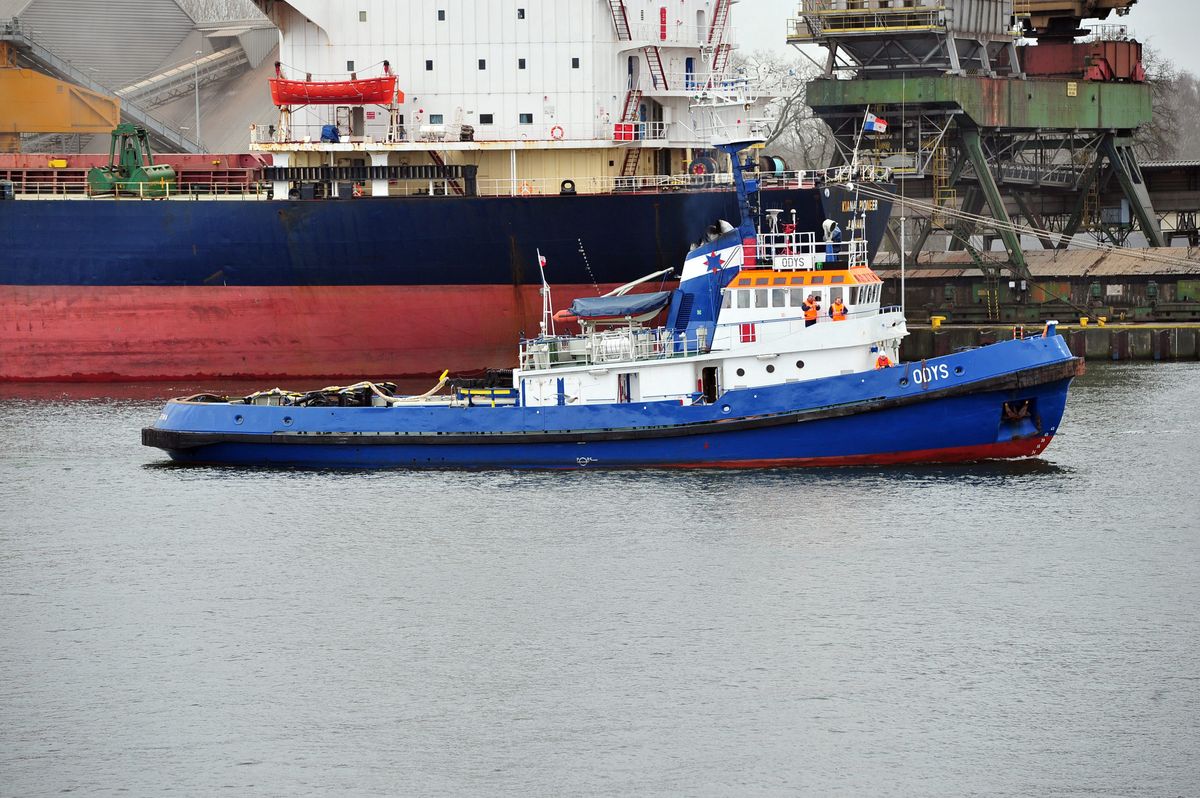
(485, 119)
(743, 298)
(778, 297)
(760, 298)
(526, 119)
(436, 119)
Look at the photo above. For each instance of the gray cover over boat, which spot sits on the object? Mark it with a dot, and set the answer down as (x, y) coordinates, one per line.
(607, 307)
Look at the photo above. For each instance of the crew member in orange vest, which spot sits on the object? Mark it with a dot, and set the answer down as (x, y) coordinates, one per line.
(811, 308)
(883, 361)
(838, 310)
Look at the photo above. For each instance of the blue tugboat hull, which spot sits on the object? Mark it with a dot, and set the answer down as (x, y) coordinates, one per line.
(1001, 401)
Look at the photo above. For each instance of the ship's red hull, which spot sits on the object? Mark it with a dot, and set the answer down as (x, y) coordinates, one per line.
(103, 333)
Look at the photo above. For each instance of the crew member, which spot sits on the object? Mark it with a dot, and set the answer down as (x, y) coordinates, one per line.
(883, 361)
(837, 311)
(811, 308)
(828, 226)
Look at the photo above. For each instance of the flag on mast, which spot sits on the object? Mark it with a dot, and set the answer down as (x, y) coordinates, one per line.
(875, 124)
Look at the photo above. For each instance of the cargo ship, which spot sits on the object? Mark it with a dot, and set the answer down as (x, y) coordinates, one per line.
(359, 222)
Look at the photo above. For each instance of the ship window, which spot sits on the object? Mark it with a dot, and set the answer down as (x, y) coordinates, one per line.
(520, 13)
(349, 66)
(441, 15)
(778, 300)
(574, 63)
(840, 278)
(835, 294)
(744, 281)
(726, 298)
(760, 298)
(483, 63)
(760, 281)
(797, 296)
(796, 281)
(853, 295)
(362, 16)
(818, 279)
(520, 63)
(779, 281)
(526, 119)
(743, 299)
(428, 66)
(436, 119)
(485, 119)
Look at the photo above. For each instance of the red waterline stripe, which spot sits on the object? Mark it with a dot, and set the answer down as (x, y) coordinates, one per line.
(1025, 447)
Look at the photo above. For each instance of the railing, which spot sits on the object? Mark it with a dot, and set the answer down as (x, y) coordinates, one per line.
(51, 61)
(692, 35)
(594, 130)
(149, 190)
(833, 17)
(775, 240)
(640, 344)
(790, 250)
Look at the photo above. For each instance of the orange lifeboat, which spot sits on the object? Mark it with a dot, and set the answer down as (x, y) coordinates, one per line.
(356, 91)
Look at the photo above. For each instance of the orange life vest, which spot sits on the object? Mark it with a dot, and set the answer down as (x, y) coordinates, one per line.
(882, 362)
(810, 311)
(838, 311)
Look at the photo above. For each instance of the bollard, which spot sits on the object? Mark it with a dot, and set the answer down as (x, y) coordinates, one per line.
(936, 321)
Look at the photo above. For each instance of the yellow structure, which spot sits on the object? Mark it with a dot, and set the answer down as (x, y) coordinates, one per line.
(31, 102)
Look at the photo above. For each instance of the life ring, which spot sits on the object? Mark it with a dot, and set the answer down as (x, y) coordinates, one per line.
(703, 166)
(556, 132)
(525, 189)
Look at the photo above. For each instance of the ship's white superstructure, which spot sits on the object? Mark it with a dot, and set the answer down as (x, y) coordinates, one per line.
(529, 91)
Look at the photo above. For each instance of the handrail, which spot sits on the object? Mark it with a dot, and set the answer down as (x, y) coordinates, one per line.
(47, 58)
(648, 344)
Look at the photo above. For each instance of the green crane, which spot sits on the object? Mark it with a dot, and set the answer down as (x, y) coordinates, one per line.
(131, 168)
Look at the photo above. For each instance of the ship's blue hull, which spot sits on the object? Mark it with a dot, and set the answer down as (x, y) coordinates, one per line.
(596, 238)
(1005, 400)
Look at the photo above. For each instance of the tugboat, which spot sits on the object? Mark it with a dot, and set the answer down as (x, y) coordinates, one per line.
(775, 352)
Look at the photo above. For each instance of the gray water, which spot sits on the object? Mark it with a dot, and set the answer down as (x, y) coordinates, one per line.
(1016, 629)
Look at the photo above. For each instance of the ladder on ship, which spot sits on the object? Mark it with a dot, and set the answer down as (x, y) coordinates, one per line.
(437, 158)
(716, 38)
(620, 20)
(629, 116)
(654, 61)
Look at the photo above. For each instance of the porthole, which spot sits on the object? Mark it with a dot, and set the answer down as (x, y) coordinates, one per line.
(958, 369)
(238, 419)
(904, 382)
(287, 421)
(741, 372)
(724, 408)
(770, 369)
(799, 364)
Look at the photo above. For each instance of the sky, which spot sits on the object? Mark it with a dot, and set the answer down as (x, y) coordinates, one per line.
(1170, 26)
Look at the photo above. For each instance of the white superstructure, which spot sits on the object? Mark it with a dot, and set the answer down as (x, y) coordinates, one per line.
(527, 90)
